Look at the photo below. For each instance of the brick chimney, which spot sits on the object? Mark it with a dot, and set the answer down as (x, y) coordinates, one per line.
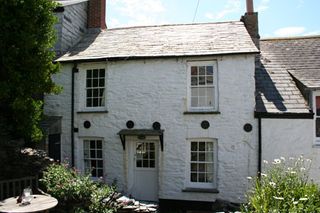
(250, 20)
(97, 14)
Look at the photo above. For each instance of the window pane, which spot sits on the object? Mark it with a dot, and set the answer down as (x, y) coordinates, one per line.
(194, 156)
(89, 102)
(202, 156)
(209, 70)
(194, 81)
(86, 153)
(194, 167)
(194, 101)
(209, 167)
(95, 73)
(318, 105)
(194, 146)
(202, 80)
(152, 164)
(95, 92)
(209, 146)
(100, 164)
(193, 177)
(139, 163)
(194, 71)
(209, 177)
(202, 102)
(209, 156)
(151, 146)
(202, 167)
(145, 163)
(318, 127)
(202, 70)
(89, 73)
(101, 73)
(201, 177)
(210, 97)
(194, 92)
(89, 93)
(95, 102)
(101, 82)
(95, 82)
(100, 173)
(209, 80)
(86, 144)
(89, 83)
(93, 164)
(92, 144)
(99, 144)
(202, 146)
(92, 154)
(202, 92)
(99, 153)
(152, 155)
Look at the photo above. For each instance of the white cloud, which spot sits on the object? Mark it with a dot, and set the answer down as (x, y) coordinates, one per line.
(290, 31)
(232, 6)
(312, 33)
(139, 12)
(264, 5)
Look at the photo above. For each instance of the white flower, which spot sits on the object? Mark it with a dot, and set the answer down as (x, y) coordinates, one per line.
(295, 202)
(263, 175)
(249, 178)
(291, 158)
(273, 184)
(282, 158)
(290, 168)
(276, 161)
(303, 198)
(293, 172)
(278, 198)
(302, 169)
(265, 162)
(308, 160)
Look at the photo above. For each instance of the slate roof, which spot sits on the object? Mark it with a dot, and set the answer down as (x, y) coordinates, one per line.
(163, 41)
(276, 91)
(69, 2)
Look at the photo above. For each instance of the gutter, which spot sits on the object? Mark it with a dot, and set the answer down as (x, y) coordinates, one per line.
(74, 70)
(259, 146)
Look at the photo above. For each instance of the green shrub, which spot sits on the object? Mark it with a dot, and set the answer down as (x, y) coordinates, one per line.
(76, 192)
(284, 188)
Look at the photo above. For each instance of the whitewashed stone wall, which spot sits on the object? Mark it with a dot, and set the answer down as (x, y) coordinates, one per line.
(71, 25)
(152, 90)
(291, 138)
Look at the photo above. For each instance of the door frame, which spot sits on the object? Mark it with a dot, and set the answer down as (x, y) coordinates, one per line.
(130, 163)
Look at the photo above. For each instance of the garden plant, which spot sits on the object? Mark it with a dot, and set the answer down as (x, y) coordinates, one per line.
(284, 187)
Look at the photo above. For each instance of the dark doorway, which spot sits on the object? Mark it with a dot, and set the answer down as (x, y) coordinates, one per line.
(55, 147)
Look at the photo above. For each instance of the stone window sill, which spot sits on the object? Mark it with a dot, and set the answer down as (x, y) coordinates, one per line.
(92, 111)
(202, 190)
(200, 112)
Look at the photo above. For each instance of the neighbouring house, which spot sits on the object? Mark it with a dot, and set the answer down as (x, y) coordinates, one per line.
(185, 112)
(288, 99)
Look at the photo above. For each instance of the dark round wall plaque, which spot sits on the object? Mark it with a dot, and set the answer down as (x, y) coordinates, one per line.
(247, 127)
(130, 124)
(87, 124)
(156, 125)
(205, 124)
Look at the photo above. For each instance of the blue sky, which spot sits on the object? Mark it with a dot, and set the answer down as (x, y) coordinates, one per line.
(277, 18)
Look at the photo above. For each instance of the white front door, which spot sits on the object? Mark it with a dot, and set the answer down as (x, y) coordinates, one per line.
(144, 156)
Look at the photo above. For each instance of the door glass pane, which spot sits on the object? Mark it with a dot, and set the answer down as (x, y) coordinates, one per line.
(318, 105)
(318, 127)
(145, 155)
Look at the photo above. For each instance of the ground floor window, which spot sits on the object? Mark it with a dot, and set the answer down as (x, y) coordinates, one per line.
(93, 157)
(202, 163)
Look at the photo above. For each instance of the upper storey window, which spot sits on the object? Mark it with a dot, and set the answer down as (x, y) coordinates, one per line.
(202, 80)
(95, 88)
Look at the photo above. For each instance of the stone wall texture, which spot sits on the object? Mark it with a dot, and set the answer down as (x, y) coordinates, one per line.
(146, 91)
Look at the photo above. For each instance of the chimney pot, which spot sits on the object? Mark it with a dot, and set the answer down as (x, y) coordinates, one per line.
(97, 14)
(250, 9)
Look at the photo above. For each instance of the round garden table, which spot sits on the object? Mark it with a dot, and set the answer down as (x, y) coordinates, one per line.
(38, 203)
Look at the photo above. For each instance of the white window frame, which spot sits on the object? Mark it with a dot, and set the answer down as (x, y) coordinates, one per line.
(314, 95)
(89, 158)
(81, 83)
(202, 185)
(214, 64)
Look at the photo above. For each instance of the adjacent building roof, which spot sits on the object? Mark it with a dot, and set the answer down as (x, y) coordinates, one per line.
(276, 89)
(163, 41)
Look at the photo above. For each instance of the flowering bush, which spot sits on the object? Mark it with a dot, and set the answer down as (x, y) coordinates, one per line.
(284, 187)
(75, 192)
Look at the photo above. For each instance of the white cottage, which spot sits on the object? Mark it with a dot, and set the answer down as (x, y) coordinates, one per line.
(173, 113)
